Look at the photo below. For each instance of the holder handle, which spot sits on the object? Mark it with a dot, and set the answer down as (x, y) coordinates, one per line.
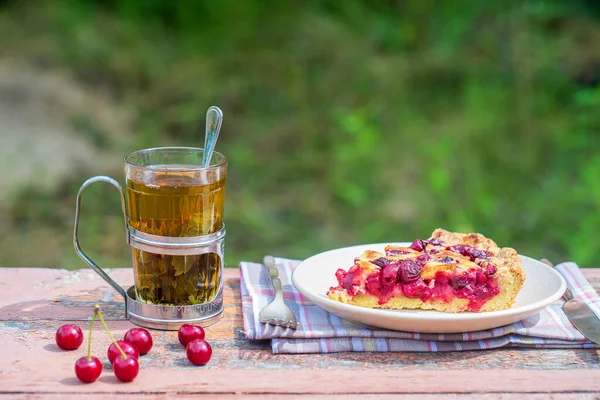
(78, 250)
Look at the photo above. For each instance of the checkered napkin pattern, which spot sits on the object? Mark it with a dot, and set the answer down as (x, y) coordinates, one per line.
(322, 332)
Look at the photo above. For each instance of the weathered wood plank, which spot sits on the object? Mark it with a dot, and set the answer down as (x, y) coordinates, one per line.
(309, 381)
(37, 337)
(284, 396)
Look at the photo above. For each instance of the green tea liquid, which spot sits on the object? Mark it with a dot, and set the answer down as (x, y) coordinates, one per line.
(171, 201)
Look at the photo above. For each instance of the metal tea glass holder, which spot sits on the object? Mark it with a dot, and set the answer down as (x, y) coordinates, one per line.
(156, 316)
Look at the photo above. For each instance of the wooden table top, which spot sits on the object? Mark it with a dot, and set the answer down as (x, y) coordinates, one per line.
(35, 302)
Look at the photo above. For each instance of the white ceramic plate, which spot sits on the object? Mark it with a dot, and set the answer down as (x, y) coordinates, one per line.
(314, 276)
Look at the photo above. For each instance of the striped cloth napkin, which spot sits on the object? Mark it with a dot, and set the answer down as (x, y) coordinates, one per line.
(322, 332)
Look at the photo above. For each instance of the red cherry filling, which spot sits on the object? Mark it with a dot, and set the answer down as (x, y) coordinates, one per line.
(404, 278)
(447, 260)
(458, 282)
(410, 271)
(394, 252)
(422, 259)
(417, 289)
(469, 251)
(349, 280)
(435, 242)
(389, 274)
(381, 261)
(490, 269)
(373, 284)
(418, 245)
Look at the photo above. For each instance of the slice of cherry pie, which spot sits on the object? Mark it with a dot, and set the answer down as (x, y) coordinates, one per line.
(449, 272)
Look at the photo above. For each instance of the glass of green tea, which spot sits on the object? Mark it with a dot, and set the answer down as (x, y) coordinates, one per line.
(169, 195)
(173, 210)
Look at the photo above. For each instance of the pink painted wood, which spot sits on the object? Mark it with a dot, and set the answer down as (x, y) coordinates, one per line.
(35, 302)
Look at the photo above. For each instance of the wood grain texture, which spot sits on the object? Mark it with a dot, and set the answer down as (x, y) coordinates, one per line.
(35, 302)
(279, 396)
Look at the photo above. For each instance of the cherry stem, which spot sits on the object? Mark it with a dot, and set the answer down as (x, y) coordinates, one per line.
(89, 357)
(109, 332)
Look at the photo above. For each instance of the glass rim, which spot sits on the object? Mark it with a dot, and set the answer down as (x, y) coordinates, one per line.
(128, 156)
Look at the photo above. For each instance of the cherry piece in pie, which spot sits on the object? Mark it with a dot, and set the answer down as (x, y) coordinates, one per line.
(450, 272)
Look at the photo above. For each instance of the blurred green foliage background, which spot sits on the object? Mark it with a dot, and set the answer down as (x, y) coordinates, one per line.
(346, 121)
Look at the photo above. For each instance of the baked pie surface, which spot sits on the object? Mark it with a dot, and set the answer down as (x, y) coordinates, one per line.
(451, 272)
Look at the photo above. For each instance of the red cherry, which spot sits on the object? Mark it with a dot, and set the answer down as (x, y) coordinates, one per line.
(418, 245)
(140, 338)
(88, 370)
(188, 332)
(126, 369)
(389, 274)
(198, 351)
(129, 349)
(69, 337)
(410, 271)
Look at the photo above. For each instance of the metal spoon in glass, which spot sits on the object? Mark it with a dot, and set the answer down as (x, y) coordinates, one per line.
(214, 119)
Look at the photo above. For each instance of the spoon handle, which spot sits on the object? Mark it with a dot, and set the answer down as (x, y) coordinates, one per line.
(214, 119)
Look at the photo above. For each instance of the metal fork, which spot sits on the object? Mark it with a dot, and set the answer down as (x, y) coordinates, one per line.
(276, 312)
